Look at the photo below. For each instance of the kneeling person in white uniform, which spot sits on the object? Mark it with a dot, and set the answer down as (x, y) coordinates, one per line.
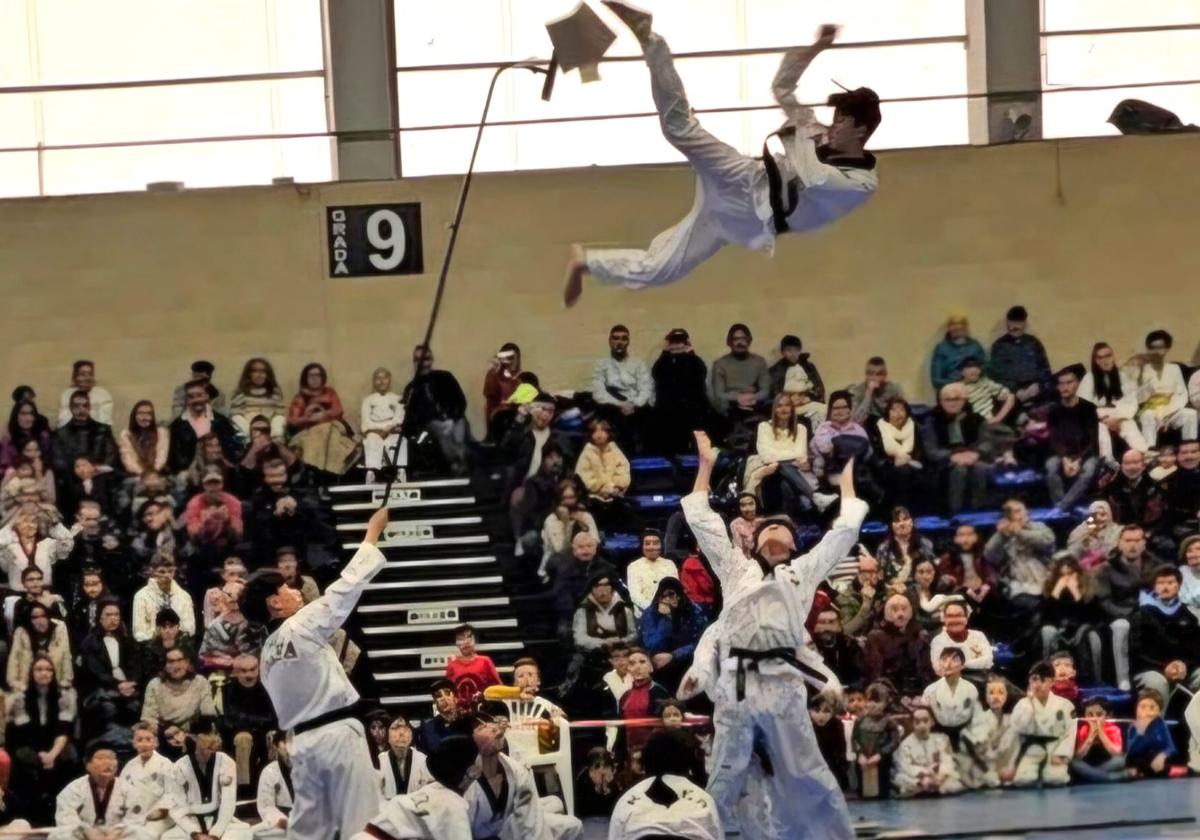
(403, 767)
(743, 200)
(436, 811)
(98, 806)
(503, 802)
(275, 797)
(667, 803)
(203, 792)
(147, 775)
(336, 786)
(1045, 724)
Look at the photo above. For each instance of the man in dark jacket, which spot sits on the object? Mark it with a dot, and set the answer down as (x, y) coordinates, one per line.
(791, 354)
(284, 514)
(198, 419)
(1182, 490)
(81, 437)
(950, 438)
(841, 653)
(1165, 638)
(434, 402)
(1133, 494)
(1074, 438)
(521, 448)
(247, 715)
(1128, 571)
(1018, 361)
(570, 574)
(681, 402)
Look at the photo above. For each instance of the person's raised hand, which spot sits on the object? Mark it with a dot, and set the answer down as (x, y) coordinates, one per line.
(704, 448)
(846, 484)
(375, 526)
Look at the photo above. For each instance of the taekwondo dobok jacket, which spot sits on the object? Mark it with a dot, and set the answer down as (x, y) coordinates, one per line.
(414, 771)
(79, 805)
(204, 805)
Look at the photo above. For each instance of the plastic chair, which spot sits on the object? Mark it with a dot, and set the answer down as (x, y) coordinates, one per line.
(524, 720)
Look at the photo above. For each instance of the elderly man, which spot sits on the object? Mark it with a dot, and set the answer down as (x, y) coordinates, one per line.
(858, 601)
(570, 574)
(951, 438)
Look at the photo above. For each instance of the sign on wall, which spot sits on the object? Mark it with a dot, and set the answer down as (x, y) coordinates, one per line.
(372, 239)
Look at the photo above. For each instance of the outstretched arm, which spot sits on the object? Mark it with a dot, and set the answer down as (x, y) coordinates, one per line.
(706, 524)
(792, 67)
(838, 542)
(329, 612)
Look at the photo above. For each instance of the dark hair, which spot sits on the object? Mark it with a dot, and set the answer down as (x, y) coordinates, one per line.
(18, 435)
(196, 383)
(844, 396)
(667, 752)
(311, 366)
(618, 328)
(145, 441)
(1106, 383)
(733, 328)
(244, 385)
(1042, 670)
(790, 341)
(203, 366)
(1097, 701)
(1168, 571)
(598, 423)
(1132, 526)
(599, 757)
(876, 361)
(563, 486)
(895, 401)
(463, 630)
(1151, 694)
(551, 447)
(450, 761)
(166, 616)
(79, 363)
(1017, 313)
(614, 647)
(510, 347)
(31, 570)
(955, 652)
(259, 586)
(1160, 335)
(860, 104)
(22, 393)
(52, 690)
(79, 394)
(103, 603)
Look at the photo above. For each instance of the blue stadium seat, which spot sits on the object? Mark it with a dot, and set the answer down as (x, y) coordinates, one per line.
(1051, 515)
(687, 462)
(648, 465)
(934, 526)
(569, 422)
(919, 411)
(1002, 654)
(1115, 697)
(658, 501)
(979, 519)
(1016, 479)
(874, 528)
(622, 543)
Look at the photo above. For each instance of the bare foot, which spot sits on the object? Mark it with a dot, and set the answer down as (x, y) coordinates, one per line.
(638, 20)
(576, 268)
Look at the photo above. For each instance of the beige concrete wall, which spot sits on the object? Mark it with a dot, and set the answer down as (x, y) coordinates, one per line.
(1098, 238)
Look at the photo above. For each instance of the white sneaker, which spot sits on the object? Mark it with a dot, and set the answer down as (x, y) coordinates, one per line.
(824, 500)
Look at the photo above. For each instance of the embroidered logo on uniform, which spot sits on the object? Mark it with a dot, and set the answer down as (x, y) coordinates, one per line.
(225, 781)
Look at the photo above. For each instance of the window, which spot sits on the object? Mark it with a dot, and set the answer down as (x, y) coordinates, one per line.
(1121, 64)
(53, 43)
(612, 121)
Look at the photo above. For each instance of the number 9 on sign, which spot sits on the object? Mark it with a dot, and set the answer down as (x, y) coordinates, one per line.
(385, 233)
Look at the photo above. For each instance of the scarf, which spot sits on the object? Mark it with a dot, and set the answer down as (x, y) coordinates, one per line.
(1168, 608)
(897, 441)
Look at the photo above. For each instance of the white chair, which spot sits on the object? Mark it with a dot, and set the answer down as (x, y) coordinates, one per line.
(525, 718)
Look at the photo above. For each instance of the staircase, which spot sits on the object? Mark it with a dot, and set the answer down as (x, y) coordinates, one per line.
(449, 562)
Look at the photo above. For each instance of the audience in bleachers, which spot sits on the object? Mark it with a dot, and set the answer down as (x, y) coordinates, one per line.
(1098, 468)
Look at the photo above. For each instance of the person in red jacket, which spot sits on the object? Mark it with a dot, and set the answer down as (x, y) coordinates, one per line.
(470, 672)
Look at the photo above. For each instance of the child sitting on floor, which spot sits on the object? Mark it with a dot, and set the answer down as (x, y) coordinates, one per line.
(925, 763)
(1099, 756)
(1150, 744)
(831, 736)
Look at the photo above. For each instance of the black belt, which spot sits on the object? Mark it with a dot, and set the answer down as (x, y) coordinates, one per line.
(952, 732)
(344, 713)
(779, 210)
(782, 654)
(1028, 741)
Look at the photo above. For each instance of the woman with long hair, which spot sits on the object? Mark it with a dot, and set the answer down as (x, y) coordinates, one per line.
(902, 548)
(1114, 393)
(39, 635)
(781, 449)
(209, 454)
(109, 669)
(41, 719)
(1071, 615)
(315, 418)
(258, 393)
(605, 473)
(143, 444)
(24, 424)
(927, 592)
